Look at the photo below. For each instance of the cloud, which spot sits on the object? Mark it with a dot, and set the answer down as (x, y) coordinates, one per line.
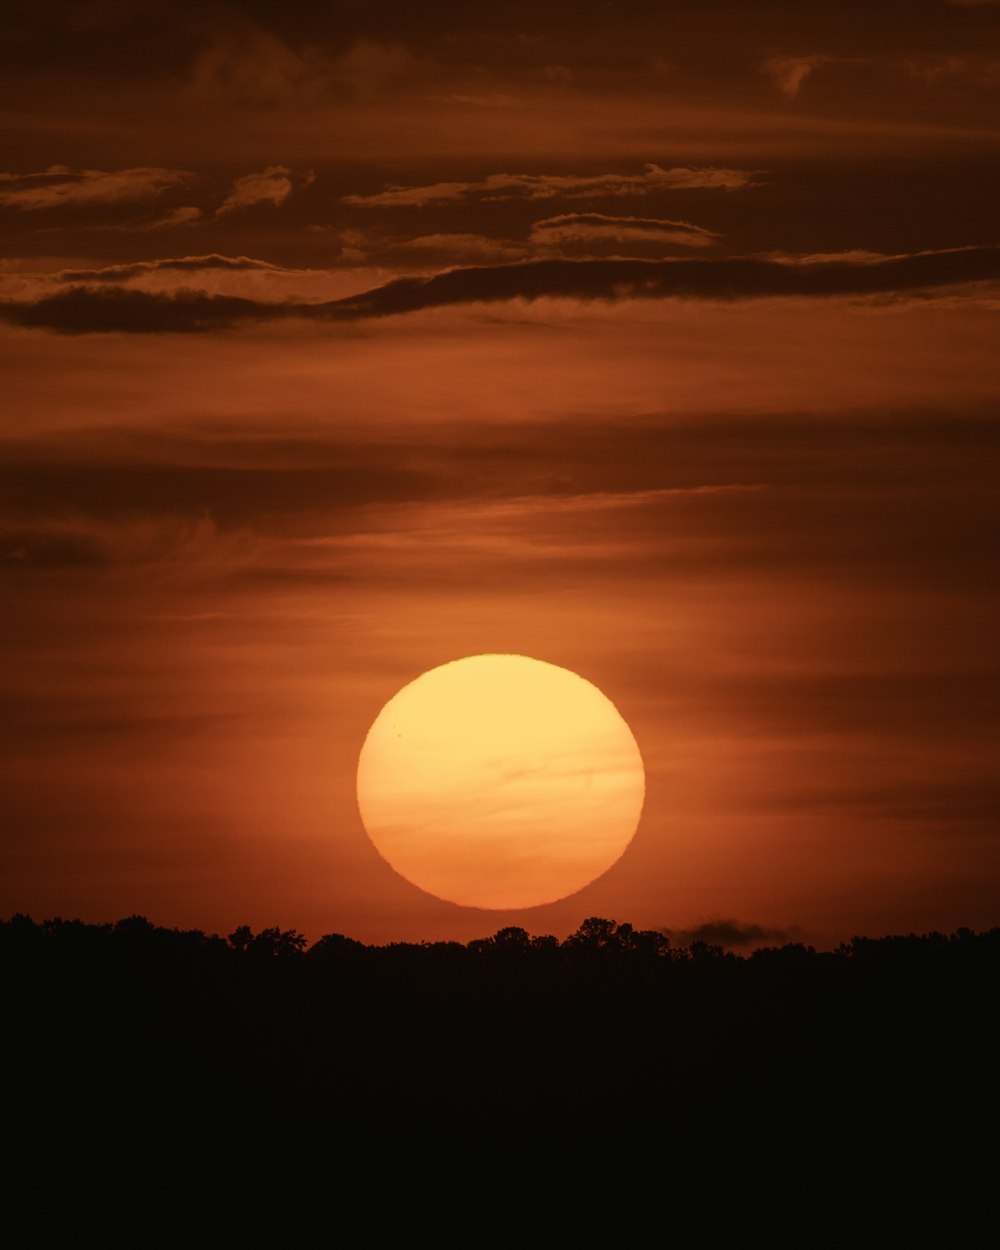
(589, 227)
(855, 256)
(973, 71)
(60, 187)
(463, 248)
(188, 277)
(272, 187)
(557, 186)
(788, 73)
(562, 75)
(185, 215)
(104, 501)
(247, 65)
(181, 264)
(426, 251)
(636, 497)
(86, 310)
(728, 933)
(82, 309)
(50, 547)
(725, 279)
(370, 67)
(183, 544)
(354, 245)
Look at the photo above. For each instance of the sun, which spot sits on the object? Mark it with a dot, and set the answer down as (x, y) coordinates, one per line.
(500, 781)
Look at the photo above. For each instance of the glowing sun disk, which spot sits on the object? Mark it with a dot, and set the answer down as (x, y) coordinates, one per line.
(500, 781)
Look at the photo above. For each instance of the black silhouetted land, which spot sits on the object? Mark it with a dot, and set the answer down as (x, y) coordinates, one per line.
(858, 1083)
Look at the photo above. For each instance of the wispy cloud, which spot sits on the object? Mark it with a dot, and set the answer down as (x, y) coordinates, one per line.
(189, 278)
(973, 71)
(371, 66)
(788, 73)
(180, 264)
(270, 187)
(558, 186)
(464, 248)
(175, 218)
(60, 187)
(182, 545)
(588, 227)
(247, 65)
(185, 215)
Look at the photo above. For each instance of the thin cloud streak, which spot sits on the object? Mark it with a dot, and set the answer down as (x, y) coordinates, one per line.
(553, 186)
(60, 187)
(180, 264)
(590, 227)
(184, 215)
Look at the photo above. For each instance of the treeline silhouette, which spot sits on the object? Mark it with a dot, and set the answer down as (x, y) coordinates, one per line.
(615, 1035)
(609, 1013)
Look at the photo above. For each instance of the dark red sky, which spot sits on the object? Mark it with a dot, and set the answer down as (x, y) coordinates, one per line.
(659, 342)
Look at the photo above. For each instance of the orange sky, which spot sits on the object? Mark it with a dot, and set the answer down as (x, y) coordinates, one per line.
(341, 343)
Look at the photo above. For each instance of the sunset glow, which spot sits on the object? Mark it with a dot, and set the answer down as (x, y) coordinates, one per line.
(341, 341)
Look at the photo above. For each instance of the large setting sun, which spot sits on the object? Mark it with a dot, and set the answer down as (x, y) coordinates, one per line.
(500, 781)
(500, 612)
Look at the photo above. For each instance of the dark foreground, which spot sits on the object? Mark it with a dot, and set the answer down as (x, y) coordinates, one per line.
(169, 1088)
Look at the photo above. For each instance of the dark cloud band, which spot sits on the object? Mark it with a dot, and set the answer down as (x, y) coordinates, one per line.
(82, 309)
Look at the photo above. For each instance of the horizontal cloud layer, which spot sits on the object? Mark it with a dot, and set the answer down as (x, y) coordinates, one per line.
(90, 308)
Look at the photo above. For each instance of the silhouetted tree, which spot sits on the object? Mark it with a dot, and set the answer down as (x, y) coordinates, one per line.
(268, 943)
(335, 948)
